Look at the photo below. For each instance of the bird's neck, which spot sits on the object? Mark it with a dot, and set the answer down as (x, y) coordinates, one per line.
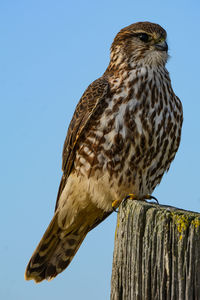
(120, 62)
(119, 69)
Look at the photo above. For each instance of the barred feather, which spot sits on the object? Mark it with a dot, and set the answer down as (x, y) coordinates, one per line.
(54, 252)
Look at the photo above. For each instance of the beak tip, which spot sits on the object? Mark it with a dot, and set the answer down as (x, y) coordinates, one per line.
(162, 46)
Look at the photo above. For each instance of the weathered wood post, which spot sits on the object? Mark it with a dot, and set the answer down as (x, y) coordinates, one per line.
(156, 254)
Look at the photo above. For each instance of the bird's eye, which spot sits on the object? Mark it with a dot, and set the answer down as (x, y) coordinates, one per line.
(143, 37)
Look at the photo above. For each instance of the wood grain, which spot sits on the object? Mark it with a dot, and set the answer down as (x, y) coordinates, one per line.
(156, 254)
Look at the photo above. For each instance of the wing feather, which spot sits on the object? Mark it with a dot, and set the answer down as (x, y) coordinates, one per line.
(92, 99)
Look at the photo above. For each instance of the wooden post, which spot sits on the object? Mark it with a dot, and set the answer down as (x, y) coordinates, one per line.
(156, 254)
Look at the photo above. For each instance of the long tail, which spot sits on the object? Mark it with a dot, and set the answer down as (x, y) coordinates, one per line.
(54, 252)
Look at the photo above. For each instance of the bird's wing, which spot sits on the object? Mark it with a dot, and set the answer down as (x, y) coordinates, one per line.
(92, 100)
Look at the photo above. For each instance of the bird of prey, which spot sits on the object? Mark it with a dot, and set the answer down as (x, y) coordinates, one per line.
(122, 138)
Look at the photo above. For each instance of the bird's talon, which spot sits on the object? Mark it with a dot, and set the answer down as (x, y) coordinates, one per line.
(115, 209)
(150, 197)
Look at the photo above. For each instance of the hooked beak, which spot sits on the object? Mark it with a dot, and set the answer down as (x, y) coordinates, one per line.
(162, 46)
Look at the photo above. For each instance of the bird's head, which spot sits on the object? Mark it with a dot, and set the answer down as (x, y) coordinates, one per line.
(140, 43)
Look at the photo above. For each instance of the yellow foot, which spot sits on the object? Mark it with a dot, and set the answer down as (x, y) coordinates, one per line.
(134, 197)
(131, 197)
(116, 204)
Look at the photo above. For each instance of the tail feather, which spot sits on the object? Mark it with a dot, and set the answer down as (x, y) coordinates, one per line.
(54, 252)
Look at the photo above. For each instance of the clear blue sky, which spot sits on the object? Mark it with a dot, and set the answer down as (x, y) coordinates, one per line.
(50, 52)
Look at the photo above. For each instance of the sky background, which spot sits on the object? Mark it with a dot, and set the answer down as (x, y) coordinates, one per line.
(50, 51)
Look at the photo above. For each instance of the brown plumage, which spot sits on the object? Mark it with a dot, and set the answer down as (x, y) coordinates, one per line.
(123, 136)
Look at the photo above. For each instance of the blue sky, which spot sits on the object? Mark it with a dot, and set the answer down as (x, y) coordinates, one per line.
(50, 52)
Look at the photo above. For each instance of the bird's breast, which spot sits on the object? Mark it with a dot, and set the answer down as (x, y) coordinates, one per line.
(136, 138)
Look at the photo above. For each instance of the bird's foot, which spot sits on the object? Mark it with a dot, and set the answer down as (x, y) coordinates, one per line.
(131, 197)
(150, 197)
(116, 203)
(146, 197)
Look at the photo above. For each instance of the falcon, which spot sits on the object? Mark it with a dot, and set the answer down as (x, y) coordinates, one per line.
(122, 138)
